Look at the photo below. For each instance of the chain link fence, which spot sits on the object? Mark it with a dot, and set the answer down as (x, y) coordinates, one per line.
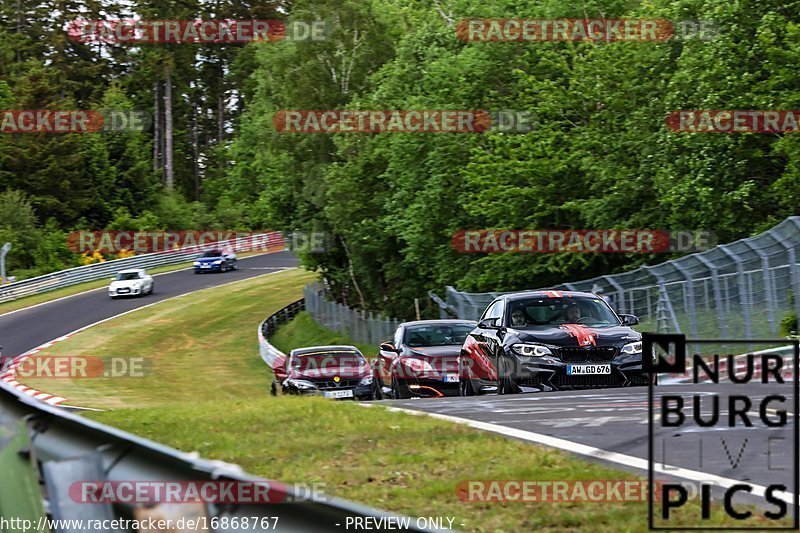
(363, 327)
(741, 290)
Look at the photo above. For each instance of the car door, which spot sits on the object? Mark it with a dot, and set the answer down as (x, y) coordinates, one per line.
(148, 281)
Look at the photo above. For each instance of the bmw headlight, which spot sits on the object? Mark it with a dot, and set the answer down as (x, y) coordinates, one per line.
(196, 263)
(301, 384)
(632, 348)
(218, 262)
(531, 350)
(366, 380)
(418, 365)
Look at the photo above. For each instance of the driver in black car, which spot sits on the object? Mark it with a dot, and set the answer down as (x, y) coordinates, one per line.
(573, 314)
(518, 318)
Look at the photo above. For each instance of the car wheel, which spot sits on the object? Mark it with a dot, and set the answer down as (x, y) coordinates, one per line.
(376, 388)
(397, 393)
(503, 378)
(465, 386)
(235, 265)
(152, 288)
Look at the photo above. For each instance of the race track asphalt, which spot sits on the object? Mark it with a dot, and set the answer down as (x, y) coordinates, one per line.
(28, 328)
(616, 420)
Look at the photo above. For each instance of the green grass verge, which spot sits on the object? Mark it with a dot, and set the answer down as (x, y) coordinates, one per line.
(194, 347)
(207, 392)
(304, 331)
(407, 464)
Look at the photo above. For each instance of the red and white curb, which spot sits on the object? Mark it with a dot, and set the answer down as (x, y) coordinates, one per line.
(9, 374)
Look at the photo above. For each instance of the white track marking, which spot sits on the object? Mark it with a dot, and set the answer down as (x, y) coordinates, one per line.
(591, 451)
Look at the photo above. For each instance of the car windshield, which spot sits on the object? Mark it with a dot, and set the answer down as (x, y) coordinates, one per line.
(327, 360)
(436, 334)
(125, 276)
(586, 310)
(212, 253)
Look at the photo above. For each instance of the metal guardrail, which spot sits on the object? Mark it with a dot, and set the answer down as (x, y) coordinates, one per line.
(267, 351)
(49, 449)
(73, 276)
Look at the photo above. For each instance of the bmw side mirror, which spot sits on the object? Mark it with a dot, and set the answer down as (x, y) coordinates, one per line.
(388, 347)
(488, 323)
(629, 320)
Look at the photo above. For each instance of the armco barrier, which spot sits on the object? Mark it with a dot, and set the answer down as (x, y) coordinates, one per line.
(46, 449)
(267, 351)
(73, 276)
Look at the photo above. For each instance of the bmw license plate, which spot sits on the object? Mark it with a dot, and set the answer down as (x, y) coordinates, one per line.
(450, 378)
(338, 393)
(585, 370)
(205, 266)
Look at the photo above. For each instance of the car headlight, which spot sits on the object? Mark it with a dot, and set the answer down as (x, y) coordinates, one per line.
(218, 262)
(632, 348)
(531, 350)
(418, 365)
(301, 384)
(366, 380)
(196, 263)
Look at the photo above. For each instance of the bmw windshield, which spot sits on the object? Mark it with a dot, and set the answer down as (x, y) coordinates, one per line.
(585, 310)
(436, 335)
(327, 361)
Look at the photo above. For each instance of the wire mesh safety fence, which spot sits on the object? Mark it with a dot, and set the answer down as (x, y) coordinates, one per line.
(362, 326)
(741, 290)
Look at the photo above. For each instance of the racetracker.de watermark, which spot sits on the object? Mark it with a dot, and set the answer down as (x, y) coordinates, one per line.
(201, 491)
(582, 241)
(73, 367)
(381, 121)
(141, 242)
(72, 121)
(213, 31)
(588, 30)
(734, 121)
(561, 491)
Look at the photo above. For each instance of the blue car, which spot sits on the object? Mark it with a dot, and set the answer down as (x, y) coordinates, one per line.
(215, 261)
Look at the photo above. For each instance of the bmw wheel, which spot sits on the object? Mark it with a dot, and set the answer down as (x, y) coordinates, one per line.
(376, 388)
(397, 393)
(504, 385)
(465, 386)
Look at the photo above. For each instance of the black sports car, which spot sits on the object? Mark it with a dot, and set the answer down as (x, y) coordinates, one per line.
(550, 340)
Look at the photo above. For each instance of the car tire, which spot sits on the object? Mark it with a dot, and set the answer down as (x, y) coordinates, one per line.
(235, 265)
(397, 393)
(503, 379)
(376, 389)
(465, 385)
(152, 288)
